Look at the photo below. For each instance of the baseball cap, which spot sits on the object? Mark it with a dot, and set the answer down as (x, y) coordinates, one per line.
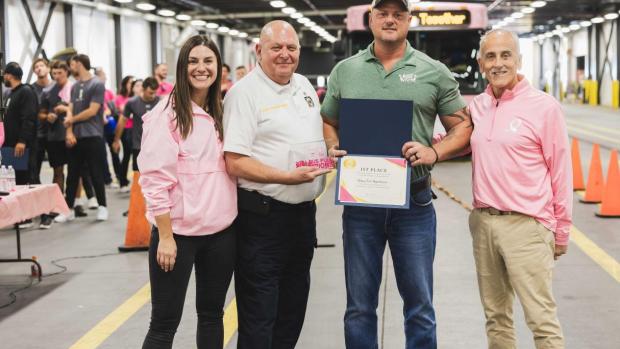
(14, 69)
(376, 3)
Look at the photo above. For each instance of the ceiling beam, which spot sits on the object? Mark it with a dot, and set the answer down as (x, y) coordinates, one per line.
(271, 14)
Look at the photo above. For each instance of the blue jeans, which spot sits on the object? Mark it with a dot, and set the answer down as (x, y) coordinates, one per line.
(411, 236)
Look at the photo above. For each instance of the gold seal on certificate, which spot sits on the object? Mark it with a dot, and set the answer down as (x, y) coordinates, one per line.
(375, 181)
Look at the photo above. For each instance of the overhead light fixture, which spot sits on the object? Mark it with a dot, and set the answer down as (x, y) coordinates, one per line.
(256, 40)
(233, 32)
(243, 35)
(509, 19)
(502, 23)
(166, 13)
(585, 24)
(123, 1)
(289, 10)
(223, 29)
(574, 27)
(183, 17)
(517, 15)
(548, 35)
(151, 17)
(597, 20)
(145, 6)
(611, 16)
(565, 30)
(212, 25)
(303, 20)
(310, 23)
(538, 4)
(528, 10)
(296, 15)
(198, 23)
(277, 4)
(556, 32)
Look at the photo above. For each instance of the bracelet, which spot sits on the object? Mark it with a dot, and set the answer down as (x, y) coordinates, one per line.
(436, 156)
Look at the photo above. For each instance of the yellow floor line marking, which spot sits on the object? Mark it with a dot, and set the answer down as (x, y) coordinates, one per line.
(230, 321)
(114, 320)
(104, 329)
(597, 254)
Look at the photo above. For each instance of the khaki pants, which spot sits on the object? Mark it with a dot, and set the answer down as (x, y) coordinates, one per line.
(514, 254)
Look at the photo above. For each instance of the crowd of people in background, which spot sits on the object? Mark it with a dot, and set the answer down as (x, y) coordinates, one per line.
(69, 117)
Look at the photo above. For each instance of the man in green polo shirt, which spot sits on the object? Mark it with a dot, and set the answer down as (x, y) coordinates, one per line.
(391, 69)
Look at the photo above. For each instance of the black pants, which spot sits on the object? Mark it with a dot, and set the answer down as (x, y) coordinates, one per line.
(86, 151)
(275, 246)
(116, 162)
(127, 147)
(214, 259)
(134, 159)
(41, 149)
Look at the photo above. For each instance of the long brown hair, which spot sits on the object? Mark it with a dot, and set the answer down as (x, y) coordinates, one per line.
(181, 93)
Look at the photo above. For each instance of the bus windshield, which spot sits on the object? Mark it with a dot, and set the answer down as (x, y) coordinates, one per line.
(457, 50)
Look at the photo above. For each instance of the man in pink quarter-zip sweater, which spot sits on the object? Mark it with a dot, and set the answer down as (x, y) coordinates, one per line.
(522, 196)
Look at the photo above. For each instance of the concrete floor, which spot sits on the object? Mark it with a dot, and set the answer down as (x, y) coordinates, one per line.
(59, 311)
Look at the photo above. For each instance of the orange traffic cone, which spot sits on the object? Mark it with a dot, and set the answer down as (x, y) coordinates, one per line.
(577, 172)
(138, 232)
(594, 189)
(610, 206)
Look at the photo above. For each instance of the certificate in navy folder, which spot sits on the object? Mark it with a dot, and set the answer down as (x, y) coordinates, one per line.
(375, 126)
(9, 159)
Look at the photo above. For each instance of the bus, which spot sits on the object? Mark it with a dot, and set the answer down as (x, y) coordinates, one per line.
(446, 31)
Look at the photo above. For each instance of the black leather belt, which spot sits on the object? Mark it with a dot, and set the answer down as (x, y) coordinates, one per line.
(256, 202)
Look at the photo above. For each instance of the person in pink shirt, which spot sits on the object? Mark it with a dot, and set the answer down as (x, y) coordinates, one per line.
(161, 73)
(190, 199)
(522, 196)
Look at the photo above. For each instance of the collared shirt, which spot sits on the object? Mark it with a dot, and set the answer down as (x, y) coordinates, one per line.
(267, 122)
(521, 158)
(416, 77)
(185, 177)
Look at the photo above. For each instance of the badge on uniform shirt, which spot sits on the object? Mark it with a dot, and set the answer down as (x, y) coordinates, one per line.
(309, 100)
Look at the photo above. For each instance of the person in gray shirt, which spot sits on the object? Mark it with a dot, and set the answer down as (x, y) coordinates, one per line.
(40, 67)
(135, 108)
(84, 123)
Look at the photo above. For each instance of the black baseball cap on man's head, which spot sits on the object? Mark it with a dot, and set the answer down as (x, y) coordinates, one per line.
(14, 69)
(404, 3)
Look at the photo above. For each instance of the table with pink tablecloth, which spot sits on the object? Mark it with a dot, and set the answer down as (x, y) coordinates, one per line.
(26, 202)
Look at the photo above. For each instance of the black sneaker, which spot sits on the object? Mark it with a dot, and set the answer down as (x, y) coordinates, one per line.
(46, 222)
(125, 213)
(25, 224)
(79, 211)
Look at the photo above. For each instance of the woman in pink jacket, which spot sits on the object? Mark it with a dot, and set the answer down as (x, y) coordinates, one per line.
(190, 198)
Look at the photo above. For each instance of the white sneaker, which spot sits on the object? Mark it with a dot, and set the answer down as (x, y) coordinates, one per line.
(92, 203)
(102, 213)
(61, 218)
(125, 189)
(114, 185)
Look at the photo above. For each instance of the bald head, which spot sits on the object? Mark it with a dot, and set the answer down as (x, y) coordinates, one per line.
(278, 51)
(277, 29)
(506, 36)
